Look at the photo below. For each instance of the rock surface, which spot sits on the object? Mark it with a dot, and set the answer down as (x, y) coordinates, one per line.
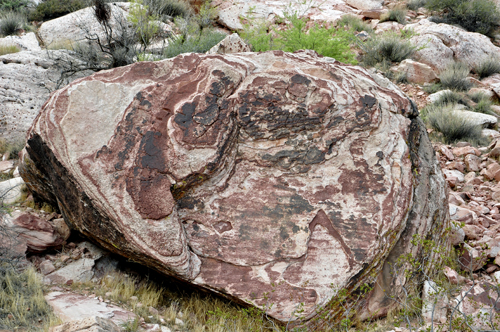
(244, 174)
(26, 82)
(231, 44)
(74, 27)
(71, 307)
(234, 13)
(11, 191)
(438, 45)
(26, 42)
(90, 324)
(416, 72)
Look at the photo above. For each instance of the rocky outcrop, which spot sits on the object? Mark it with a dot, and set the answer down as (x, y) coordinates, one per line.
(75, 27)
(416, 72)
(233, 14)
(438, 45)
(26, 82)
(245, 174)
(26, 42)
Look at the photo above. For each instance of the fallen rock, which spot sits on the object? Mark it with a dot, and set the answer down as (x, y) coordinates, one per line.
(435, 303)
(434, 97)
(11, 191)
(171, 170)
(439, 45)
(478, 119)
(472, 162)
(70, 307)
(37, 233)
(457, 234)
(416, 72)
(490, 133)
(454, 173)
(46, 267)
(79, 271)
(478, 303)
(471, 259)
(90, 324)
(231, 44)
(465, 150)
(6, 166)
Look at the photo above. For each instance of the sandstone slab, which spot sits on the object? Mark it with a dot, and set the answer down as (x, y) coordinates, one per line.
(90, 324)
(231, 44)
(244, 174)
(70, 307)
(26, 42)
(11, 191)
(79, 271)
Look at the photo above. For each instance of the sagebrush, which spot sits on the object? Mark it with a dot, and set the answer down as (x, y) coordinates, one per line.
(386, 48)
(454, 77)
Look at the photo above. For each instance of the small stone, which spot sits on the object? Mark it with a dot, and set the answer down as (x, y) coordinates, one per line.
(139, 305)
(133, 298)
(153, 311)
(47, 267)
(179, 322)
(472, 162)
(451, 274)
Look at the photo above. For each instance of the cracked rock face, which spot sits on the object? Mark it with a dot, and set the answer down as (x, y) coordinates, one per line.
(246, 173)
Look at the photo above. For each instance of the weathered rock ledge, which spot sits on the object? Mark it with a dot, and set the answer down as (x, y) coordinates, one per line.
(247, 173)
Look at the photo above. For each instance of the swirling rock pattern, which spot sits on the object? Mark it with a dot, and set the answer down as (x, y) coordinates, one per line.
(246, 173)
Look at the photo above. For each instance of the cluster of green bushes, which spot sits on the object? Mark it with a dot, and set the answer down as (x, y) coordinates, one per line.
(480, 16)
(329, 42)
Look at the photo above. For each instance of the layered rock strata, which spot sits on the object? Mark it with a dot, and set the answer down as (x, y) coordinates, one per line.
(248, 174)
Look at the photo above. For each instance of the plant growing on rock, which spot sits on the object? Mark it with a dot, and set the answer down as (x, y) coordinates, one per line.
(487, 67)
(397, 14)
(416, 4)
(167, 9)
(454, 77)
(355, 23)
(11, 23)
(196, 33)
(451, 125)
(330, 42)
(8, 49)
(473, 15)
(385, 49)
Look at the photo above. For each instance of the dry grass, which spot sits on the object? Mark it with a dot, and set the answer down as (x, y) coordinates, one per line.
(22, 304)
(8, 49)
(62, 44)
(199, 313)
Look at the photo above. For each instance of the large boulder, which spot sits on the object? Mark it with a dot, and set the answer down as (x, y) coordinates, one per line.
(27, 79)
(438, 45)
(246, 174)
(75, 27)
(233, 14)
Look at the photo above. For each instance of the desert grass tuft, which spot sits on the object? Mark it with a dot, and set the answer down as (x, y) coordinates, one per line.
(397, 14)
(7, 49)
(354, 23)
(386, 48)
(11, 23)
(488, 67)
(451, 125)
(452, 97)
(22, 303)
(454, 77)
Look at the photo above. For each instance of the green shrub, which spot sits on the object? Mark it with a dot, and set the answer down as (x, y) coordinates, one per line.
(334, 43)
(454, 77)
(200, 43)
(397, 14)
(451, 125)
(145, 25)
(488, 67)
(11, 22)
(166, 9)
(7, 49)
(416, 4)
(50, 9)
(386, 48)
(473, 15)
(14, 5)
(354, 23)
